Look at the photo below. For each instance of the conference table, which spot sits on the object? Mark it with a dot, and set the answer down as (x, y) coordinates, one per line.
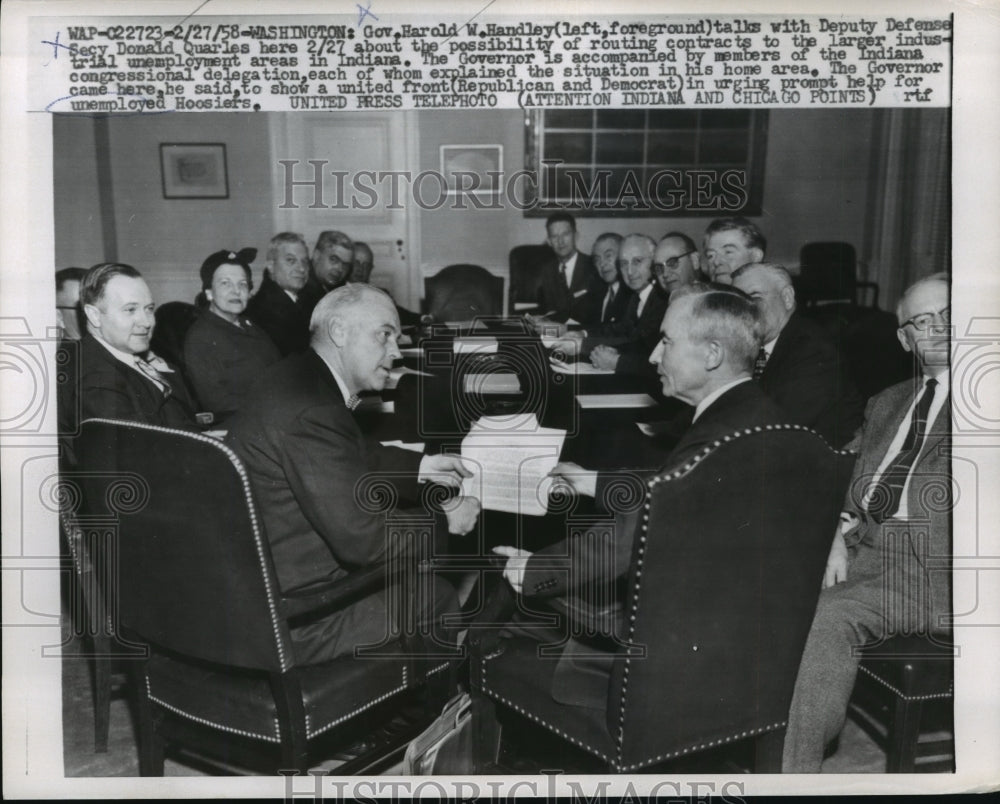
(451, 375)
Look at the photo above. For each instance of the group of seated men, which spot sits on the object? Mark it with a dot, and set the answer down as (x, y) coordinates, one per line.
(730, 346)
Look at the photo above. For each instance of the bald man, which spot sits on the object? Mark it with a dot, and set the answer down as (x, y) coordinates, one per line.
(307, 459)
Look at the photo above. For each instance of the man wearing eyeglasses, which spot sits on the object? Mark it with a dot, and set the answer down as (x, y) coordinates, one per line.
(889, 567)
(676, 262)
(799, 365)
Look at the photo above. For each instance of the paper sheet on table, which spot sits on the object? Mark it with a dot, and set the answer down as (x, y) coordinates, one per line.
(510, 458)
(397, 373)
(476, 345)
(492, 383)
(412, 446)
(558, 342)
(582, 367)
(523, 306)
(615, 400)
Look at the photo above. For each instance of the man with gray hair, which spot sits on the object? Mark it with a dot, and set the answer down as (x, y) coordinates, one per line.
(309, 464)
(705, 356)
(799, 365)
(280, 307)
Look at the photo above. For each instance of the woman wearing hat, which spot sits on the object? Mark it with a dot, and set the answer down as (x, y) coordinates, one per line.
(223, 351)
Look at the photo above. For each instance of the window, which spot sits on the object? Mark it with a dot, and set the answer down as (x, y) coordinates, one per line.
(647, 161)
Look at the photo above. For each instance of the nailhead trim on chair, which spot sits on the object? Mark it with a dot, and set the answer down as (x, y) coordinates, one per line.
(283, 659)
(899, 693)
(266, 737)
(437, 669)
(651, 484)
(700, 747)
(310, 734)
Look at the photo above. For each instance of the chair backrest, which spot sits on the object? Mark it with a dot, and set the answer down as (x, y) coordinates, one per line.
(725, 577)
(195, 574)
(525, 263)
(827, 272)
(173, 320)
(463, 292)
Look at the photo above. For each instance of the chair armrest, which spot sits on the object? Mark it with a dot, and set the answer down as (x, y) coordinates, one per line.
(315, 596)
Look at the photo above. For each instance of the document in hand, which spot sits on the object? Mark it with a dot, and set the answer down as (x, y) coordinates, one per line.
(510, 459)
(476, 345)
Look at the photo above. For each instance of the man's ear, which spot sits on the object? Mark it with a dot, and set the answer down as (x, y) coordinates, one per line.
(901, 334)
(93, 315)
(695, 260)
(788, 297)
(713, 355)
(758, 254)
(337, 332)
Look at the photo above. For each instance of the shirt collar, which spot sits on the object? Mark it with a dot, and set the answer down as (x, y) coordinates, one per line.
(769, 346)
(644, 293)
(340, 383)
(708, 400)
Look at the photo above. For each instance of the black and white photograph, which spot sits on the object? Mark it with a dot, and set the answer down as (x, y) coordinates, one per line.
(602, 440)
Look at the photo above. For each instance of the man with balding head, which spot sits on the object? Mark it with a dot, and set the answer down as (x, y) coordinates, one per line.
(889, 570)
(624, 345)
(800, 366)
(308, 462)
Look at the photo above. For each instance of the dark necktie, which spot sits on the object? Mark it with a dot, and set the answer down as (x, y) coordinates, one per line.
(562, 273)
(760, 363)
(886, 494)
(608, 301)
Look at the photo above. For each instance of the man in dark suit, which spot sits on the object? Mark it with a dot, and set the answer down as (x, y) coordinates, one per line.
(624, 346)
(800, 366)
(614, 300)
(280, 307)
(889, 569)
(705, 358)
(332, 261)
(116, 376)
(310, 465)
(569, 282)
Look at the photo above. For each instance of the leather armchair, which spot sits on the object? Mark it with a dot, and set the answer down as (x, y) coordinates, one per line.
(197, 585)
(463, 293)
(726, 570)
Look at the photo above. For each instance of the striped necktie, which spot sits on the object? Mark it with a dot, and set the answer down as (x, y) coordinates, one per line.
(353, 401)
(155, 376)
(760, 363)
(886, 494)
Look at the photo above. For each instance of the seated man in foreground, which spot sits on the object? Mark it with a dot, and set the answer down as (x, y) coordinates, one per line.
(889, 568)
(308, 464)
(706, 355)
(118, 377)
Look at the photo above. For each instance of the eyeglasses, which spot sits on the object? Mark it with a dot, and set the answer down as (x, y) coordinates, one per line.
(670, 264)
(925, 320)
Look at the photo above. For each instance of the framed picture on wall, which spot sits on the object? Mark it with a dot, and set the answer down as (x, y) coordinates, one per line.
(194, 170)
(472, 169)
